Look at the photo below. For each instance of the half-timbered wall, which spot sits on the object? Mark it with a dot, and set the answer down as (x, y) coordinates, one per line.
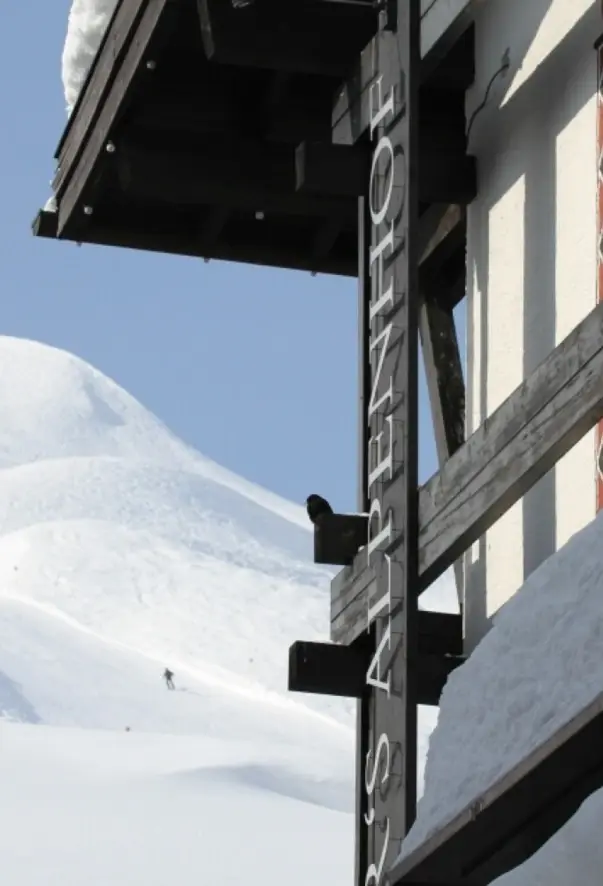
(532, 256)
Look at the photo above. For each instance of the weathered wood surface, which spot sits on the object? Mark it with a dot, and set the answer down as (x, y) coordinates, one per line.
(442, 22)
(541, 421)
(445, 385)
(388, 727)
(514, 447)
(110, 104)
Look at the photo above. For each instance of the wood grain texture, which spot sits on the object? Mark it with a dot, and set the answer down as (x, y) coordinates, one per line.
(541, 421)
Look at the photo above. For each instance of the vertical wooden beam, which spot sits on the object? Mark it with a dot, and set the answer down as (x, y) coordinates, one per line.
(599, 433)
(445, 382)
(388, 722)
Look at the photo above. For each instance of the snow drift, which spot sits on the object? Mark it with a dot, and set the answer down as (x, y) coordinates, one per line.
(538, 667)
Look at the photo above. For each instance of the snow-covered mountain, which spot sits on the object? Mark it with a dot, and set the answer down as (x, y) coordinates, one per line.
(112, 528)
(122, 551)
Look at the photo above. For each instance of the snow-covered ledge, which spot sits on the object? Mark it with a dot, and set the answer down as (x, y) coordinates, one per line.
(88, 21)
(540, 665)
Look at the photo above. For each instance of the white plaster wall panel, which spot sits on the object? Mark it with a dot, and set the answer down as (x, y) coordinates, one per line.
(531, 278)
(576, 270)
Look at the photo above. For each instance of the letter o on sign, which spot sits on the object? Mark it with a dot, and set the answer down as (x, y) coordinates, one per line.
(384, 145)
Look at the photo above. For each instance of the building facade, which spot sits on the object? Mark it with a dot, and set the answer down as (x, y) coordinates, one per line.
(533, 258)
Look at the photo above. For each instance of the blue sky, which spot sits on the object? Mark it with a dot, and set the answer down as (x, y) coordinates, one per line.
(225, 354)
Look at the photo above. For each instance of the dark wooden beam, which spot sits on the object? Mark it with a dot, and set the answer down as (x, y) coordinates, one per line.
(444, 176)
(434, 671)
(505, 825)
(300, 38)
(219, 109)
(443, 25)
(323, 168)
(325, 238)
(444, 373)
(245, 175)
(160, 231)
(331, 669)
(519, 443)
(212, 227)
(436, 225)
(338, 538)
(445, 381)
(522, 440)
(327, 669)
(455, 69)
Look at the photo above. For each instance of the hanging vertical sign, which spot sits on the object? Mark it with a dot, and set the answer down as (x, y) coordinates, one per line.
(599, 433)
(388, 712)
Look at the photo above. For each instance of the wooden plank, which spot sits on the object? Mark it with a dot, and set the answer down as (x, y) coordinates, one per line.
(506, 824)
(338, 538)
(444, 373)
(541, 421)
(112, 105)
(443, 23)
(323, 168)
(328, 669)
(436, 225)
(246, 174)
(117, 37)
(513, 448)
(165, 232)
(321, 40)
(388, 728)
(445, 384)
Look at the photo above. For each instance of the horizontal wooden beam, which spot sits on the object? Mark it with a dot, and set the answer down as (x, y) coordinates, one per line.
(338, 538)
(516, 446)
(164, 232)
(323, 168)
(307, 40)
(331, 669)
(331, 169)
(506, 824)
(217, 108)
(245, 175)
(522, 440)
(327, 669)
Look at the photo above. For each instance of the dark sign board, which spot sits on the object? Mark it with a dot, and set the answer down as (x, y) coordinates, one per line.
(388, 728)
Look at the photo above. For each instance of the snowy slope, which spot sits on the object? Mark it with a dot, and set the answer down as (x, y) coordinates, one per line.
(108, 519)
(133, 810)
(121, 551)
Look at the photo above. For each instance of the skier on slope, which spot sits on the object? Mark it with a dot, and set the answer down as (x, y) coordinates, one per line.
(168, 676)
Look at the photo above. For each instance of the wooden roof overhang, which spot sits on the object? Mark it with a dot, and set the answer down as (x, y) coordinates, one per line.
(207, 130)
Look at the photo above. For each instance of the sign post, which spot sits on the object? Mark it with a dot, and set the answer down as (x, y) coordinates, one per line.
(388, 710)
